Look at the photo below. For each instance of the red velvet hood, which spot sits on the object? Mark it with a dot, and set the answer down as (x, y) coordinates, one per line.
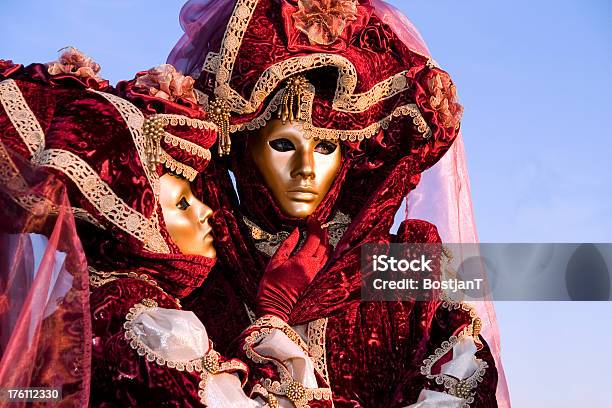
(96, 142)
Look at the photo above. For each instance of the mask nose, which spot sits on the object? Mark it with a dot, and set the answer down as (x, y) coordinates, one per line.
(204, 213)
(304, 165)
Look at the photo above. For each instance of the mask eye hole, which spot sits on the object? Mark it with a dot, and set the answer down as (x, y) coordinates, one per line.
(281, 145)
(183, 204)
(325, 147)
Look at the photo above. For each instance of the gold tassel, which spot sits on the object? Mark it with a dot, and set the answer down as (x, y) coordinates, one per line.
(153, 130)
(219, 114)
(292, 99)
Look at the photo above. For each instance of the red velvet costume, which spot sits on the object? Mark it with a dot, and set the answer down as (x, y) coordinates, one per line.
(94, 143)
(395, 114)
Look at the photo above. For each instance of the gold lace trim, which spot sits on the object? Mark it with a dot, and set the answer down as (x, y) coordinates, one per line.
(311, 131)
(453, 304)
(177, 167)
(100, 278)
(459, 388)
(21, 116)
(102, 197)
(169, 119)
(316, 346)
(134, 119)
(287, 386)
(11, 178)
(186, 145)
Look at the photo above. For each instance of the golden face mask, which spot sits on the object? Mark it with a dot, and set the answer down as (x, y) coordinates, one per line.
(186, 217)
(298, 171)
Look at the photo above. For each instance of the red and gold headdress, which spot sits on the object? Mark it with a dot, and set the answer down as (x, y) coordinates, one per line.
(108, 144)
(333, 65)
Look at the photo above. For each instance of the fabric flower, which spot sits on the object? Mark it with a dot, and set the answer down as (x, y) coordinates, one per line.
(73, 61)
(444, 100)
(375, 37)
(167, 83)
(323, 21)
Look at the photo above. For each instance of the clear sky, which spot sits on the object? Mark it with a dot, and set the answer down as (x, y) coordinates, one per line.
(534, 77)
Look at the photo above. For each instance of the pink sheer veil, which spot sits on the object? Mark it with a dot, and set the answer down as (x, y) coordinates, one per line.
(443, 196)
(45, 326)
(204, 23)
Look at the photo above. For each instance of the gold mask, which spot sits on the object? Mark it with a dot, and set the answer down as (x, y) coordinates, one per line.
(298, 171)
(186, 217)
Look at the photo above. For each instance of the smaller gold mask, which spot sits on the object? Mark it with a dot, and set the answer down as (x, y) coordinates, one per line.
(298, 171)
(186, 217)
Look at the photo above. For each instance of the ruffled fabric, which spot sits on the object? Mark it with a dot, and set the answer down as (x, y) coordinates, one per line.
(324, 21)
(166, 83)
(73, 61)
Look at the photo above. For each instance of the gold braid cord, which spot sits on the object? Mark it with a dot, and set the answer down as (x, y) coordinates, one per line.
(177, 167)
(304, 112)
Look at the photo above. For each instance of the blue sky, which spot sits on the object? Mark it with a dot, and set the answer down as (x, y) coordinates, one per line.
(534, 77)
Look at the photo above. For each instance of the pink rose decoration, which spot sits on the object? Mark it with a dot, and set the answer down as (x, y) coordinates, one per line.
(444, 100)
(167, 83)
(323, 21)
(73, 61)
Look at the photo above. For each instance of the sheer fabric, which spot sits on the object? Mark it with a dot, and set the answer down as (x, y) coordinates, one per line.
(44, 292)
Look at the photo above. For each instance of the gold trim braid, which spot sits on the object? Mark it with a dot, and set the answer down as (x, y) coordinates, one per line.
(187, 146)
(311, 131)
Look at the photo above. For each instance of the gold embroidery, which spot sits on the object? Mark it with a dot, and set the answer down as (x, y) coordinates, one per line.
(21, 116)
(459, 388)
(177, 167)
(316, 346)
(153, 130)
(102, 197)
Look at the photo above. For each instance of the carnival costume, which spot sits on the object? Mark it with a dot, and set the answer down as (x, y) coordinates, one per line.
(344, 74)
(109, 147)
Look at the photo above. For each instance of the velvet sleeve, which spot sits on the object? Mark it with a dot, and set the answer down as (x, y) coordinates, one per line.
(280, 366)
(124, 373)
(452, 356)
